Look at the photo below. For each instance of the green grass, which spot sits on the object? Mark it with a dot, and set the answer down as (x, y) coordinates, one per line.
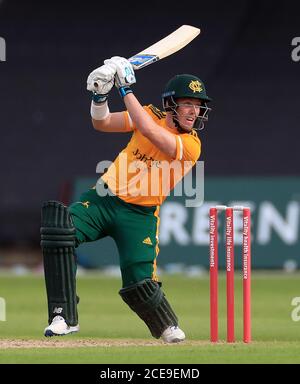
(104, 316)
(269, 352)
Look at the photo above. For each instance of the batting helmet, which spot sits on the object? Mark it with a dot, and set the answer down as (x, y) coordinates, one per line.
(182, 86)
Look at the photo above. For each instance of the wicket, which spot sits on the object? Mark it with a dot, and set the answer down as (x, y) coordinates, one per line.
(246, 254)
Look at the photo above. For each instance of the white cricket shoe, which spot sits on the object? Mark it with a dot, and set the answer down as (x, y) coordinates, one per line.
(173, 334)
(59, 327)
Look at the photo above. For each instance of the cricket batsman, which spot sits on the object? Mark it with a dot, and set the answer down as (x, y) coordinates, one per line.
(125, 202)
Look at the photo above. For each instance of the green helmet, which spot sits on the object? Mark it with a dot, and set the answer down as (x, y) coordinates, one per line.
(182, 86)
(186, 86)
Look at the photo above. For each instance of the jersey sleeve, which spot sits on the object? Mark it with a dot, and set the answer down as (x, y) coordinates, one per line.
(188, 147)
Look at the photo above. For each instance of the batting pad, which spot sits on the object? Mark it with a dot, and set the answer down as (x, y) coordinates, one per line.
(148, 301)
(58, 246)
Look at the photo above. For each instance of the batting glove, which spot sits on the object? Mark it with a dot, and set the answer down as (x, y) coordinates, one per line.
(125, 76)
(101, 81)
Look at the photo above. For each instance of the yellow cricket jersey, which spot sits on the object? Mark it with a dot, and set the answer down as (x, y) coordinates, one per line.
(144, 175)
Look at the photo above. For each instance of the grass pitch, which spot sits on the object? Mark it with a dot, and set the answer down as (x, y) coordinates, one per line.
(111, 333)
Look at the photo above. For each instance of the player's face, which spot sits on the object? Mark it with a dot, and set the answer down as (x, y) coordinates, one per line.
(187, 112)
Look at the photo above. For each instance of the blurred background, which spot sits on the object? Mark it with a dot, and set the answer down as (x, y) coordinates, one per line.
(49, 149)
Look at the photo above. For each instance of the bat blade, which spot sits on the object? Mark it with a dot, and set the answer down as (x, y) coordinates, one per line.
(165, 47)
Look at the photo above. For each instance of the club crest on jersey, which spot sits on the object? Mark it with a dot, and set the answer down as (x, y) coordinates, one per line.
(195, 86)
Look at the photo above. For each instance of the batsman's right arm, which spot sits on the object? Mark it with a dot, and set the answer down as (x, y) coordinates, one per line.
(161, 138)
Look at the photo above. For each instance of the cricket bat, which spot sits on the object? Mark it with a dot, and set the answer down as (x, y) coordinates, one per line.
(165, 47)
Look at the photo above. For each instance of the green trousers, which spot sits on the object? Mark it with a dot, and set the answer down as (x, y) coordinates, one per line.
(134, 229)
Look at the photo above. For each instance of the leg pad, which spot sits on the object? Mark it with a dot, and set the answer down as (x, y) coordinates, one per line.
(58, 246)
(148, 301)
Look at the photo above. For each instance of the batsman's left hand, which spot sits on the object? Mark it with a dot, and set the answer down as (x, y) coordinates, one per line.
(101, 80)
(124, 71)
